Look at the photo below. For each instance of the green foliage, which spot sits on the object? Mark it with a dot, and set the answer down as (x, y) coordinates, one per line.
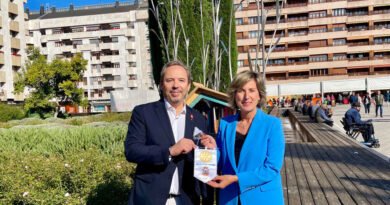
(34, 120)
(57, 79)
(10, 112)
(191, 17)
(225, 11)
(57, 164)
(83, 178)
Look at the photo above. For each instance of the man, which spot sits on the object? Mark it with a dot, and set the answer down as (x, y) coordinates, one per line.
(159, 140)
(322, 117)
(379, 99)
(353, 98)
(353, 118)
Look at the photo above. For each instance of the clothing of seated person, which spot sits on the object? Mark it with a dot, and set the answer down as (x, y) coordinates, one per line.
(322, 117)
(304, 109)
(313, 110)
(353, 118)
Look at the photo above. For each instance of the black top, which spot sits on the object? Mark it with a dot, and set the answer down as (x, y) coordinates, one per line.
(240, 139)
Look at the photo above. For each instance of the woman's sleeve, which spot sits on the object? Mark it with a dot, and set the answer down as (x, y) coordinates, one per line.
(272, 165)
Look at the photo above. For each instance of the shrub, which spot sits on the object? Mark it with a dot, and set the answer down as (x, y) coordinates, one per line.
(11, 112)
(47, 164)
(85, 178)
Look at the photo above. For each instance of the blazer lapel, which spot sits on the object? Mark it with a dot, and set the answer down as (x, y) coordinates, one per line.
(255, 132)
(189, 127)
(230, 141)
(163, 118)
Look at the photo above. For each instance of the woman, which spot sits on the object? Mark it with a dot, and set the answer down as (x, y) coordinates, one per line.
(367, 103)
(251, 146)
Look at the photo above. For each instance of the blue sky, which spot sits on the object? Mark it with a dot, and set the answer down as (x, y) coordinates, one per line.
(34, 5)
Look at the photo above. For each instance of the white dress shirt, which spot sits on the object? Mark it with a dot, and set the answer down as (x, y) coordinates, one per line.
(178, 123)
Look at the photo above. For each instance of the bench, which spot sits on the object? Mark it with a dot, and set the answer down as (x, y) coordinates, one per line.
(327, 167)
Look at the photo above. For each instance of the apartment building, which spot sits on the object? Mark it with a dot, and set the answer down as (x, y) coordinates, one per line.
(12, 36)
(114, 40)
(326, 45)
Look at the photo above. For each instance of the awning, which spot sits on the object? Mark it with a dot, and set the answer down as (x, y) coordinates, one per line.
(272, 90)
(300, 88)
(344, 85)
(379, 83)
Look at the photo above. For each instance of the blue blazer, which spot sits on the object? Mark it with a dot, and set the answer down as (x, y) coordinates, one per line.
(147, 142)
(261, 158)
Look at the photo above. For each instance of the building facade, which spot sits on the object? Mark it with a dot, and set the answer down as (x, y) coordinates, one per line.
(114, 40)
(12, 46)
(323, 41)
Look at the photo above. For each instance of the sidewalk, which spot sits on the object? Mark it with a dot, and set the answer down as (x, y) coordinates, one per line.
(381, 125)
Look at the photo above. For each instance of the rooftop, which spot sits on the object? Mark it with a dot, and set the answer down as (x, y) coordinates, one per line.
(71, 11)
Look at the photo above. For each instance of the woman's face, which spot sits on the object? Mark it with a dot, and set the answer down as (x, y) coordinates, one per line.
(247, 97)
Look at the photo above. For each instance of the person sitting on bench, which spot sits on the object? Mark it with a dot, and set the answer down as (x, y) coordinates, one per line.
(353, 118)
(321, 115)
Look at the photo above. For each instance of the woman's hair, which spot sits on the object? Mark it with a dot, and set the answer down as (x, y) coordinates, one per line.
(240, 80)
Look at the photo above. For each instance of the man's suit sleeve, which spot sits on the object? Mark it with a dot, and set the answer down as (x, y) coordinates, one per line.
(136, 149)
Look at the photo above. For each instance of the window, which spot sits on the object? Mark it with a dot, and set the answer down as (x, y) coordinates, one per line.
(240, 63)
(339, 27)
(316, 1)
(318, 58)
(339, 42)
(238, 7)
(319, 43)
(382, 40)
(239, 21)
(77, 29)
(319, 72)
(94, 41)
(252, 20)
(317, 14)
(339, 56)
(317, 29)
(253, 34)
(93, 28)
(339, 12)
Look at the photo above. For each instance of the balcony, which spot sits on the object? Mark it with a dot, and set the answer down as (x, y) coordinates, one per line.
(16, 60)
(129, 32)
(19, 97)
(13, 8)
(131, 58)
(14, 26)
(2, 77)
(130, 45)
(105, 71)
(108, 83)
(3, 96)
(1, 58)
(132, 83)
(131, 70)
(15, 43)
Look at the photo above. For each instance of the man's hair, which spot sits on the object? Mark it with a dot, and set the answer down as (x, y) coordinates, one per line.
(240, 80)
(173, 63)
(356, 104)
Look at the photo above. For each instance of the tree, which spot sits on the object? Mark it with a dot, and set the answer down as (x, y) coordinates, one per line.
(187, 31)
(51, 83)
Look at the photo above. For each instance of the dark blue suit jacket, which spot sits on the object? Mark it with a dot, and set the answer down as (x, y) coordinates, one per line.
(148, 139)
(352, 116)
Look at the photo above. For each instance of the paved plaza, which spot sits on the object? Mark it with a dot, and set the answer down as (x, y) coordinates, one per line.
(381, 125)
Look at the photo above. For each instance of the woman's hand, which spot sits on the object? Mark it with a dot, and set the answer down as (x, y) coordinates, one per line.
(223, 181)
(208, 141)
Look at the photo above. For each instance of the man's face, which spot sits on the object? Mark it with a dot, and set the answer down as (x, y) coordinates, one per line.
(175, 85)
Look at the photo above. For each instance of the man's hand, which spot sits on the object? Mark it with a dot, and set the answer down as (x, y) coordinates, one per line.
(223, 181)
(183, 146)
(208, 141)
